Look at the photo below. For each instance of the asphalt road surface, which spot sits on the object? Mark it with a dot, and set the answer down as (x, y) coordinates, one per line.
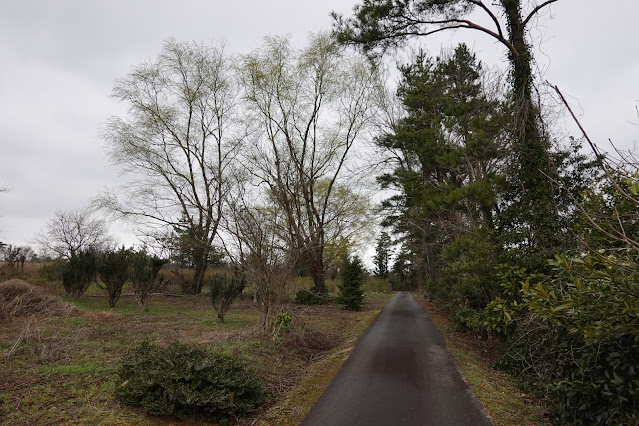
(400, 373)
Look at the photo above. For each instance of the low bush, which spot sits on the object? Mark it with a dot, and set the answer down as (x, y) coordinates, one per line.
(468, 318)
(181, 380)
(377, 284)
(308, 297)
(224, 290)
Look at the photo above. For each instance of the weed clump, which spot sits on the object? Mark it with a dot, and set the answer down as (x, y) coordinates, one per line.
(181, 380)
(308, 342)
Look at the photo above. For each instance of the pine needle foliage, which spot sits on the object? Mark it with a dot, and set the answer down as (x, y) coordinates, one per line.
(113, 269)
(351, 295)
(144, 275)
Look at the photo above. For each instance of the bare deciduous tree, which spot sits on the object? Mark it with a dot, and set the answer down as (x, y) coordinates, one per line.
(312, 107)
(262, 253)
(178, 143)
(72, 230)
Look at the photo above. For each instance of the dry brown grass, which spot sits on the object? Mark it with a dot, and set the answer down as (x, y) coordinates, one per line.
(19, 299)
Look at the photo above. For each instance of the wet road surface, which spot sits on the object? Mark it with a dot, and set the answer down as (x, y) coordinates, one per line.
(400, 373)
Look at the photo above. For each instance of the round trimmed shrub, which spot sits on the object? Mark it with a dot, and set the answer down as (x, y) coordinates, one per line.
(181, 379)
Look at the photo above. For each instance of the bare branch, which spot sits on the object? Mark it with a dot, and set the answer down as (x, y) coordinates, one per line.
(491, 14)
(535, 10)
(180, 139)
(599, 156)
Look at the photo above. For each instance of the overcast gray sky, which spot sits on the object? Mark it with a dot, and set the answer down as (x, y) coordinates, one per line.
(59, 59)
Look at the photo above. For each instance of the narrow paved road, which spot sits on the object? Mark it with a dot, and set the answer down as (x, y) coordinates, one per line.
(400, 373)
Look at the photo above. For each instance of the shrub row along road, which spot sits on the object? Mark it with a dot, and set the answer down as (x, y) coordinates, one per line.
(399, 373)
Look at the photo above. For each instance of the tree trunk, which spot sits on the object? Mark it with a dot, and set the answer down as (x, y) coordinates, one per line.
(318, 271)
(201, 256)
(532, 154)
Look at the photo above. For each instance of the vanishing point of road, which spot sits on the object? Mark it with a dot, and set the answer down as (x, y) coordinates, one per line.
(400, 373)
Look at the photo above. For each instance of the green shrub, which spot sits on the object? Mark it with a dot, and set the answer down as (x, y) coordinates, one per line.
(281, 325)
(113, 269)
(308, 297)
(578, 341)
(182, 379)
(51, 271)
(501, 314)
(79, 272)
(402, 275)
(350, 294)
(468, 271)
(144, 275)
(469, 319)
(377, 284)
(224, 290)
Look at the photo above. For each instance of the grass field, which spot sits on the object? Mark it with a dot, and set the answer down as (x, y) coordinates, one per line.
(62, 369)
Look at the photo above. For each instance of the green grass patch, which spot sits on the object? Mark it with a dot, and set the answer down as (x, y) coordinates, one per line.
(72, 369)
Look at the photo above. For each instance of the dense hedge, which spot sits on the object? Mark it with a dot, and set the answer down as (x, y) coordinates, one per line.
(574, 336)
